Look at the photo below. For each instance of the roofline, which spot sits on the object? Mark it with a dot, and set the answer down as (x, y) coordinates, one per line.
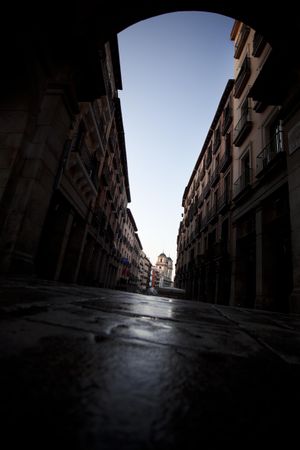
(129, 213)
(139, 242)
(220, 108)
(115, 56)
(234, 30)
(121, 137)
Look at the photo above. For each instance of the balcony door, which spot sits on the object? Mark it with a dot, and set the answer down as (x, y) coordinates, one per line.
(245, 169)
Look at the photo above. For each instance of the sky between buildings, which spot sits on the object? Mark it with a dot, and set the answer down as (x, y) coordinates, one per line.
(174, 71)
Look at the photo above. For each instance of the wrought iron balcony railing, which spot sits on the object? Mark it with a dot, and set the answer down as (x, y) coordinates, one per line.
(259, 43)
(215, 175)
(207, 188)
(268, 154)
(223, 201)
(225, 160)
(242, 78)
(217, 142)
(227, 119)
(90, 163)
(241, 41)
(202, 173)
(243, 182)
(208, 158)
(242, 128)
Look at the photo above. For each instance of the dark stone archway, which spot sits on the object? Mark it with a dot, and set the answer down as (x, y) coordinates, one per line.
(51, 59)
(72, 33)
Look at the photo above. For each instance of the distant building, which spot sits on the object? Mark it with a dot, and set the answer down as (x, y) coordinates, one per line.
(145, 272)
(163, 271)
(131, 252)
(155, 277)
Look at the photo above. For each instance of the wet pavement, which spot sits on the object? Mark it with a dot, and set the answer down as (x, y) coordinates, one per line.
(87, 368)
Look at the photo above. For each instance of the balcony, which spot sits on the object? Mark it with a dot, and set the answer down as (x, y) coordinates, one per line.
(216, 250)
(243, 183)
(259, 43)
(271, 155)
(84, 168)
(241, 41)
(217, 142)
(100, 123)
(227, 120)
(215, 176)
(206, 190)
(223, 202)
(204, 223)
(242, 78)
(225, 160)
(208, 158)
(259, 106)
(106, 176)
(200, 201)
(212, 214)
(99, 220)
(242, 128)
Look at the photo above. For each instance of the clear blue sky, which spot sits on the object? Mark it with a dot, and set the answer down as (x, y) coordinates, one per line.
(174, 71)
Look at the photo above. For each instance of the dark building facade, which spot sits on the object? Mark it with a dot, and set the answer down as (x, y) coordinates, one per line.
(72, 224)
(235, 240)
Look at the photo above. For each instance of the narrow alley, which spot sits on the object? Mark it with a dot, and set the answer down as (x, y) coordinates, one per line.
(89, 368)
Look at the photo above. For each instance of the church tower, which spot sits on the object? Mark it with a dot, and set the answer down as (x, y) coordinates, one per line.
(164, 265)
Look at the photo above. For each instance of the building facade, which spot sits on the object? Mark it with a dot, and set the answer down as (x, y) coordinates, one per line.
(262, 258)
(145, 272)
(203, 244)
(74, 224)
(235, 242)
(163, 271)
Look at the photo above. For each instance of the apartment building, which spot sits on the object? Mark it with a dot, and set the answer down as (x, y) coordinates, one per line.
(262, 261)
(155, 277)
(145, 272)
(82, 232)
(234, 242)
(65, 216)
(203, 244)
(129, 273)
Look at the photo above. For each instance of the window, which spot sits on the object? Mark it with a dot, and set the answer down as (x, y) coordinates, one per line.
(217, 139)
(227, 187)
(245, 168)
(242, 77)
(259, 43)
(244, 181)
(79, 137)
(244, 125)
(227, 118)
(216, 196)
(207, 207)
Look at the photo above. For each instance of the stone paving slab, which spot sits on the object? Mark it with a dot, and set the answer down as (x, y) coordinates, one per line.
(87, 368)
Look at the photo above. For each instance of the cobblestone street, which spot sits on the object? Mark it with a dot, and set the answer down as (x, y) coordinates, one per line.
(88, 368)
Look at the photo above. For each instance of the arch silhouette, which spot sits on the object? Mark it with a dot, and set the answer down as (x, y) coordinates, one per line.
(74, 34)
(51, 60)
